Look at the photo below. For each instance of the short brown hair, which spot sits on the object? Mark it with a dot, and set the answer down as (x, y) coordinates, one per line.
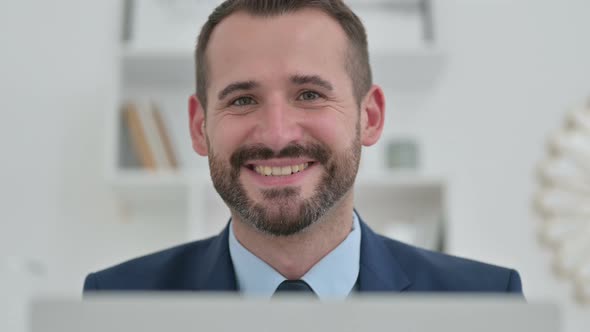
(357, 57)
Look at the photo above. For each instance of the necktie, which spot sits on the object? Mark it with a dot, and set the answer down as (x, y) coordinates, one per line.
(294, 287)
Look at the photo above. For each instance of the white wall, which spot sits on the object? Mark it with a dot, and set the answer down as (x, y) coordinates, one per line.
(512, 69)
(57, 77)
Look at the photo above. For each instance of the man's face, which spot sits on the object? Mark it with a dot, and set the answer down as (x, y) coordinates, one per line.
(282, 124)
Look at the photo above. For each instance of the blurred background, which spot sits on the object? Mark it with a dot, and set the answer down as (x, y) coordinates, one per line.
(97, 165)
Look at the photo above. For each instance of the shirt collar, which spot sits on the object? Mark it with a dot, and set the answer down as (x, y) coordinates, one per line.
(333, 277)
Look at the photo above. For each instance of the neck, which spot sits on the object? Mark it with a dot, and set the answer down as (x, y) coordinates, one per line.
(292, 256)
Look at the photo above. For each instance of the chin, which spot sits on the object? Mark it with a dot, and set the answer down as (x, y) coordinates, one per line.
(284, 218)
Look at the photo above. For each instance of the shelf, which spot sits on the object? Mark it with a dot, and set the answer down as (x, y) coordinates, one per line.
(149, 179)
(145, 183)
(157, 64)
(161, 187)
(400, 179)
(400, 69)
(164, 68)
(406, 206)
(165, 178)
(407, 69)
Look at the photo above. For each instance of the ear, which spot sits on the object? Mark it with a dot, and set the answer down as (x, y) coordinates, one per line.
(372, 116)
(196, 115)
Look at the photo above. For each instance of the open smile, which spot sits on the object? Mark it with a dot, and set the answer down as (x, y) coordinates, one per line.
(268, 170)
(279, 172)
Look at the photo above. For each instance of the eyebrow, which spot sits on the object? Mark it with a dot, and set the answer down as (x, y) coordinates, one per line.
(311, 79)
(236, 86)
(295, 79)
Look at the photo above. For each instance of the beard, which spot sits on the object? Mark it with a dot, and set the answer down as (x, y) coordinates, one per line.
(283, 211)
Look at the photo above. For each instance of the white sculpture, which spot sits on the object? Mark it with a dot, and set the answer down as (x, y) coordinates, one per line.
(563, 200)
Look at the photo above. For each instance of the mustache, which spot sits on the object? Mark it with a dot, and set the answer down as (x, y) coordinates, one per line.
(316, 151)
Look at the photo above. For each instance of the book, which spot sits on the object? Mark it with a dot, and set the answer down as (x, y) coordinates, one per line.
(164, 137)
(138, 136)
(149, 137)
(152, 135)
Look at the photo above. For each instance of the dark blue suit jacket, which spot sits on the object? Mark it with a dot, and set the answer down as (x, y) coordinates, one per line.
(386, 265)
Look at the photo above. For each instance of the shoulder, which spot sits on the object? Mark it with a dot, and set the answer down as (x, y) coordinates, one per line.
(435, 271)
(159, 270)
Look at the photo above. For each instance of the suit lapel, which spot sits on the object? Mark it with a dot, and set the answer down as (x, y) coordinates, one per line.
(216, 272)
(379, 269)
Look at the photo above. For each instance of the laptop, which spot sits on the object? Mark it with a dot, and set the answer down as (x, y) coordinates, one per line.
(180, 312)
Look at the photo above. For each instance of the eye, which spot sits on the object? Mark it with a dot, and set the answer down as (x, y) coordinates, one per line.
(309, 95)
(243, 101)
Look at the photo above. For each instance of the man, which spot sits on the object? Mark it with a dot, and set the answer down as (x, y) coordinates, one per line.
(284, 103)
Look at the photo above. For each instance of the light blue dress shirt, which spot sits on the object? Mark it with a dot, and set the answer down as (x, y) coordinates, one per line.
(333, 277)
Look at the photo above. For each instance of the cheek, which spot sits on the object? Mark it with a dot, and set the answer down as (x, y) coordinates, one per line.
(336, 133)
(226, 136)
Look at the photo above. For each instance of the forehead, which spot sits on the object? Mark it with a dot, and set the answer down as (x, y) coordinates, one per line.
(250, 47)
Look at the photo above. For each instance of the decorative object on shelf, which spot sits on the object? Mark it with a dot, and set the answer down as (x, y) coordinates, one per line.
(402, 154)
(563, 200)
(150, 140)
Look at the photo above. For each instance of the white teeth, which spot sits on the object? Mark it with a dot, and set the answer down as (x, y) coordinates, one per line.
(277, 171)
(280, 171)
(285, 170)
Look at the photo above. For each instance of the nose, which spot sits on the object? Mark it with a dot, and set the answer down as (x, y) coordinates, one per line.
(279, 125)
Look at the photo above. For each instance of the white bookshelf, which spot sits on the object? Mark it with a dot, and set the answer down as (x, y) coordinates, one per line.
(401, 68)
(409, 205)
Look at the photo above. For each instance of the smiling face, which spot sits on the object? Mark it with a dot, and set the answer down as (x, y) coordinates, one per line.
(283, 129)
